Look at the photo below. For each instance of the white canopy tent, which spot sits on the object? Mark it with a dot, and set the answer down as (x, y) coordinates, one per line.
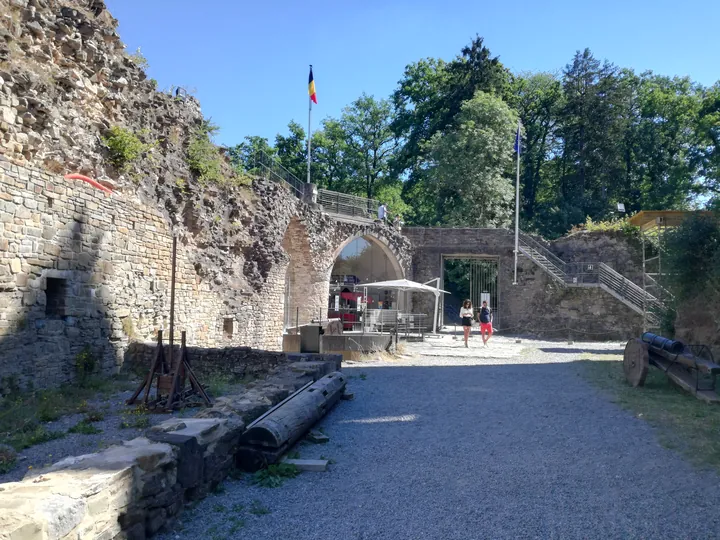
(412, 286)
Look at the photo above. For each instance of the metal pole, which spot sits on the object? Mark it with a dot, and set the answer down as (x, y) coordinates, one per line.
(309, 146)
(517, 204)
(172, 301)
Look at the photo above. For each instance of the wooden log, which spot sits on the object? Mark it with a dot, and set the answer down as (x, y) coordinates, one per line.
(636, 362)
(288, 423)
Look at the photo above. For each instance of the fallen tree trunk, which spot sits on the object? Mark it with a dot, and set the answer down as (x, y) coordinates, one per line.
(271, 435)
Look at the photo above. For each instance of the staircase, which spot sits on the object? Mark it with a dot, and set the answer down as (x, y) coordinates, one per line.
(594, 275)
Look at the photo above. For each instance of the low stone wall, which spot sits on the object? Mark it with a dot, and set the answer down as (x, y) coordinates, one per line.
(236, 361)
(131, 491)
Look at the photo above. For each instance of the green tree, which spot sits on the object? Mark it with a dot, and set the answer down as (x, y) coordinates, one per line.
(247, 155)
(292, 150)
(538, 99)
(432, 92)
(470, 162)
(707, 151)
(330, 168)
(371, 143)
(665, 171)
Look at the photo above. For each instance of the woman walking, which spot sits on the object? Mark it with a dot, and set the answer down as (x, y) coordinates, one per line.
(466, 314)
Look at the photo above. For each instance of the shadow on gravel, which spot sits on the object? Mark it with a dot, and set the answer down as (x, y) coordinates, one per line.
(613, 352)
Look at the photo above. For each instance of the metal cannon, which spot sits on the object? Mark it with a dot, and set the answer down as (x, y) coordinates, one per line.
(691, 367)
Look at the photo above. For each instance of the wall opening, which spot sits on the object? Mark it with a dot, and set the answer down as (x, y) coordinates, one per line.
(470, 277)
(362, 260)
(56, 294)
(228, 327)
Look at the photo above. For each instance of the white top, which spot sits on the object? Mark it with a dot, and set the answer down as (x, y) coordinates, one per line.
(381, 211)
(466, 312)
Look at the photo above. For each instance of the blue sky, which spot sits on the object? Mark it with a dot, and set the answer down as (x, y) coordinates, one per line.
(248, 61)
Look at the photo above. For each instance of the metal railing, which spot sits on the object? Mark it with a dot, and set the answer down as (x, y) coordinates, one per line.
(271, 166)
(334, 202)
(595, 275)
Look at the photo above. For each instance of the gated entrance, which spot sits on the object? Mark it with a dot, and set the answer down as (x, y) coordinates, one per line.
(473, 277)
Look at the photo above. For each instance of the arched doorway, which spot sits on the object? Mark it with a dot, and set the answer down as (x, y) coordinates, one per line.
(361, 260)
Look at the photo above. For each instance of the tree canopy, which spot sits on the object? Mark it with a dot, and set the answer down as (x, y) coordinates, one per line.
(439, 150)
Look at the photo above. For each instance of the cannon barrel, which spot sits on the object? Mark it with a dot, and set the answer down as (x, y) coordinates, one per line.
(273, 433)
(660, 343)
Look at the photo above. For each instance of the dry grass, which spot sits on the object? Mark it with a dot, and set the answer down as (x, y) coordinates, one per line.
(683, 423)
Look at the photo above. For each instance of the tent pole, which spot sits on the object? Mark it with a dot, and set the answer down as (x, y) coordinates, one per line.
(437, 299)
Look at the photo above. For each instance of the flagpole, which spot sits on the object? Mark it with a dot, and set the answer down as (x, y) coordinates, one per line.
(517, 204)
(309, 145)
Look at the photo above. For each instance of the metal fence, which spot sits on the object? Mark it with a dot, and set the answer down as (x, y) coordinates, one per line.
(270, 166)
(347, 205)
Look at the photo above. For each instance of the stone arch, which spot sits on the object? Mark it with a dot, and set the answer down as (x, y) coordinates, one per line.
(377, 240)
(306, 288)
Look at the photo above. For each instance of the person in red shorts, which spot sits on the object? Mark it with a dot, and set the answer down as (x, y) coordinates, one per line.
(486, 318)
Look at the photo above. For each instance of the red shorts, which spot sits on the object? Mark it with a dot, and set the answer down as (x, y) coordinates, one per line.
(486, 327)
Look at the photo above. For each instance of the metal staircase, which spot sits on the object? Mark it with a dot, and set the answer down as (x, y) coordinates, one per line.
(593, 275)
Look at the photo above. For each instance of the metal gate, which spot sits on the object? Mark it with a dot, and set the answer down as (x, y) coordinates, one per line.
(470, 277)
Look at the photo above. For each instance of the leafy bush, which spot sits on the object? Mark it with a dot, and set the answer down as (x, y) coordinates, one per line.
(124, 147)
(203, 156)
(138, 58)
(691, 257)
(618, 225)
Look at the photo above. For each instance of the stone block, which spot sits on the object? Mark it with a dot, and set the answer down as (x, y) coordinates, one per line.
(15, 266)
(311, 465)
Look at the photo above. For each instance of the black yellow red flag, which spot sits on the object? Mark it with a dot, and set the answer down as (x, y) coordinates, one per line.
(311, 88)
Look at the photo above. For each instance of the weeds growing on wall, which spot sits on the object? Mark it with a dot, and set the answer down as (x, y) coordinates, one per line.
(205, 161)
(85, 364)
(138, 58)
(124, 147)
(616, 225)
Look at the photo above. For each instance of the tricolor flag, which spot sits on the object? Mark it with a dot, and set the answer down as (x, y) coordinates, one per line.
(517, 139)
(311, 88)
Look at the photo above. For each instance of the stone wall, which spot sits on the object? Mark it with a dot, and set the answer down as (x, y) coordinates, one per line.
(79, 269)
(620, 252)
(536, 305)
(132, 490)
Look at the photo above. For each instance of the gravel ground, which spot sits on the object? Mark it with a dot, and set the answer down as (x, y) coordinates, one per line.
(503, 442)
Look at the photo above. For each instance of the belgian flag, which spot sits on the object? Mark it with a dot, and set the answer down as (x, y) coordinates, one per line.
(311, 87)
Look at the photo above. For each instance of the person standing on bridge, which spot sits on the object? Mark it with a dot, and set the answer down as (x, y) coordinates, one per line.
(382, 212)
(466, 314)
(486, 318)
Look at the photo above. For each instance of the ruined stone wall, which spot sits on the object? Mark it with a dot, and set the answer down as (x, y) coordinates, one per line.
(536, 305)
(134, 489)
(107, 261)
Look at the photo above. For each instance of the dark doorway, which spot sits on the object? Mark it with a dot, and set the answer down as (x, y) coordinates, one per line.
(469, 277)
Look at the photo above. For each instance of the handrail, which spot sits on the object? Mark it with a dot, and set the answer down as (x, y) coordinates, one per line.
(545, 252)
(273, 166)
(346, 204)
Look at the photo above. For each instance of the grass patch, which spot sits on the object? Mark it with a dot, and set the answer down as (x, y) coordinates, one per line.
(85, 428)
(237, 507)
(683, 422)
(135, 418)
(218, 383)
(22, 414)
(275, 475)
(237, 524)
(219, 508)
(258, 508)
(8, 458)
(37, 434)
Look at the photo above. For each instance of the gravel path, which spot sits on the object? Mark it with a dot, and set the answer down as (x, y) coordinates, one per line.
(504, 442)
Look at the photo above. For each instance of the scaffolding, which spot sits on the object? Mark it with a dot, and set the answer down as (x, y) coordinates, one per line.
(654, 228)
